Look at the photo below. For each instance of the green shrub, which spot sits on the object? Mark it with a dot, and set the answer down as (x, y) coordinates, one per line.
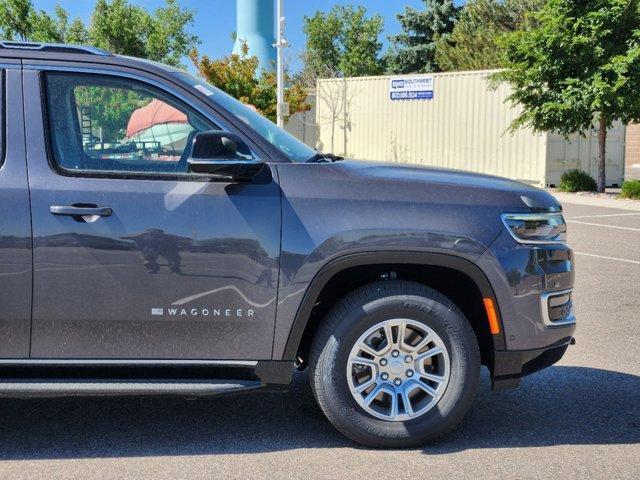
(631, 189)
(577, 181)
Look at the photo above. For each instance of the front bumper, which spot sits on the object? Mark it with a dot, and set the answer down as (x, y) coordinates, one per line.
(511, 365)
(533, 285)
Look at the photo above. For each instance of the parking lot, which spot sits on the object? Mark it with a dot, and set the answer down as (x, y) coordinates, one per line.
(578, 419)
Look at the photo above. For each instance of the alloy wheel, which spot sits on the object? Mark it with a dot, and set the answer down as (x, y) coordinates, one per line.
(398, 370)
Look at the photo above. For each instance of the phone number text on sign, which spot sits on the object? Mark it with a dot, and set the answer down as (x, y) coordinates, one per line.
(411, 88)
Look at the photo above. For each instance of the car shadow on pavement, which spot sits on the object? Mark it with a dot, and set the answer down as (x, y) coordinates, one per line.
(559, 406)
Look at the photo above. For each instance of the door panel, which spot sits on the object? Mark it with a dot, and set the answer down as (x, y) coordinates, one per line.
(15, 224)
(180, 269)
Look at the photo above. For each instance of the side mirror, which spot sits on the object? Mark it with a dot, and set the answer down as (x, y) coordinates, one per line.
(226, 154)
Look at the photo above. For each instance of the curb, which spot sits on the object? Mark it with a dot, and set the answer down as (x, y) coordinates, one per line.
(596, 201)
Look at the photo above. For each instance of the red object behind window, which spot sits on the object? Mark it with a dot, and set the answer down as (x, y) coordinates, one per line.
(155, 113)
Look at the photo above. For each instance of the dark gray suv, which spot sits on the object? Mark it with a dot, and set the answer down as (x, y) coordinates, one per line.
(159, 237)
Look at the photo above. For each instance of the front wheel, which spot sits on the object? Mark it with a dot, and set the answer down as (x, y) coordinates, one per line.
(395, 364)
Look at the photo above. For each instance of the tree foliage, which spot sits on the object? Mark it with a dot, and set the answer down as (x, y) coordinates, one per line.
(237, 75)
(16, 19)
(631, 189)
(19, 20)
(474, 41)
(413, 50)
(580, 64)
(343, 42)
(115, 25)
(576, 181)
(118, 27)
(127, 29)
(111, 108)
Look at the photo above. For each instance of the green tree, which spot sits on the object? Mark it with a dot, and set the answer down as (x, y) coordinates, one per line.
(343, 42)
(580, 64)
(473, 43)
(170, 40)
(15, 21)
(19, 20)
(128, 29)
(237, 75)
(56, 28)
(413, 50)
(110, 107)
(115, 25)
(77, 33)
(119, 27)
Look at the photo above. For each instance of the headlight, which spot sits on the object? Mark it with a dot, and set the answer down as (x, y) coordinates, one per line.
(536, 227)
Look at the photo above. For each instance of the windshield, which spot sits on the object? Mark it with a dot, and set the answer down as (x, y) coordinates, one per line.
(276, 136)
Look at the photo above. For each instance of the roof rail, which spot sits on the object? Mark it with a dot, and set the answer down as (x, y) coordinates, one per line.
(52, 47)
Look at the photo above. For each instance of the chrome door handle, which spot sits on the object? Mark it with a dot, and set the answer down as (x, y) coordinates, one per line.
(81, 211)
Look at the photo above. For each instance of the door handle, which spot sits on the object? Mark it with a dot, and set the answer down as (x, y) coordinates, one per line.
(81, 210)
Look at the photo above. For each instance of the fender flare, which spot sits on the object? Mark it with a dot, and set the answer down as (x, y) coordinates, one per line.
(335, 266)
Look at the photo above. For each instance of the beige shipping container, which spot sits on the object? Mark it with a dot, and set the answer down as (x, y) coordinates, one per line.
(632, 152)
(465, 126)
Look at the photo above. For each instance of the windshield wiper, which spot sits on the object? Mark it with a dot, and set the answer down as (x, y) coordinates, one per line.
(324, 157)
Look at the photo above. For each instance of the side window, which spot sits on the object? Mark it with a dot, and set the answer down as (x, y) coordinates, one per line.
(100, 123)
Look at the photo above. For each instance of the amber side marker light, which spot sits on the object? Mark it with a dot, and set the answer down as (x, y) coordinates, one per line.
(494, 324)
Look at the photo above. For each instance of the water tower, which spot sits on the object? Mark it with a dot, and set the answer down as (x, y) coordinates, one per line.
(255, 26)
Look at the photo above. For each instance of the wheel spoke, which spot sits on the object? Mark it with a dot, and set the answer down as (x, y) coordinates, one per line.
(372, 395)
(426, 388)
(402, 332)
(388, 333)
(432, 377)
(393, 411)
(407, 402)
(422, 343)
(430, 353)
(363, 386)
(364, 361)
(368, 349)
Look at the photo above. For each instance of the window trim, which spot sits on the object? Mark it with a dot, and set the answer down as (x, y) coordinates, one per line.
(3, 116)
(66, 172)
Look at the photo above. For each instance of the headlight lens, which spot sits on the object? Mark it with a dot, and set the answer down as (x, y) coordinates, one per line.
(536, 227)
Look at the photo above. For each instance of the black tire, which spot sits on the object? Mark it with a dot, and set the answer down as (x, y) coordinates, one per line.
(359, 311)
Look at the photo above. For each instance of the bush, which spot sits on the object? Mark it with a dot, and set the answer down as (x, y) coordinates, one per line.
(631, 189)
(577, 181)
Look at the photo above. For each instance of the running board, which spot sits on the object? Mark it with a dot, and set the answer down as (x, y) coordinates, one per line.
(110, 387)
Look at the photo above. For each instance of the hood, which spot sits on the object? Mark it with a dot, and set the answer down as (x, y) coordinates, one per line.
(518, 194)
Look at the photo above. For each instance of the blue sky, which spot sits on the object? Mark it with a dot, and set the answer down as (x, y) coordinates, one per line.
(215, 19)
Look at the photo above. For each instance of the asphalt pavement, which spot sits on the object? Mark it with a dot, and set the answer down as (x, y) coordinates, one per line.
(578, 419)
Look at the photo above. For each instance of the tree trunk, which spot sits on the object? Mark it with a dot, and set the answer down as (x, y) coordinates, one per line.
(602, 143)
(345, 118)
(333, 133)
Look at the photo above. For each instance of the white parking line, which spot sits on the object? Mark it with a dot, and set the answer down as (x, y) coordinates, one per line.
(604, 257)
(603, 225)
(602, 216)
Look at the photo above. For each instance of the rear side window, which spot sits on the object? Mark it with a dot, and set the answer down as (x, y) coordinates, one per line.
(100, 123)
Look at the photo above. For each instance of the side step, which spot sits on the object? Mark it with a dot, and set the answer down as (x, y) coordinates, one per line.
(111, 387)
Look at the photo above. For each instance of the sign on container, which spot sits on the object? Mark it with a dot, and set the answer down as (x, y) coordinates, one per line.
(411, 88)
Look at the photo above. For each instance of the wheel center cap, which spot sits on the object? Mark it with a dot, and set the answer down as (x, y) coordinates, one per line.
(396, 367)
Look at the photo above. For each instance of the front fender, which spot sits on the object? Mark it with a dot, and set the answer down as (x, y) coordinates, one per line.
(294, 309)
